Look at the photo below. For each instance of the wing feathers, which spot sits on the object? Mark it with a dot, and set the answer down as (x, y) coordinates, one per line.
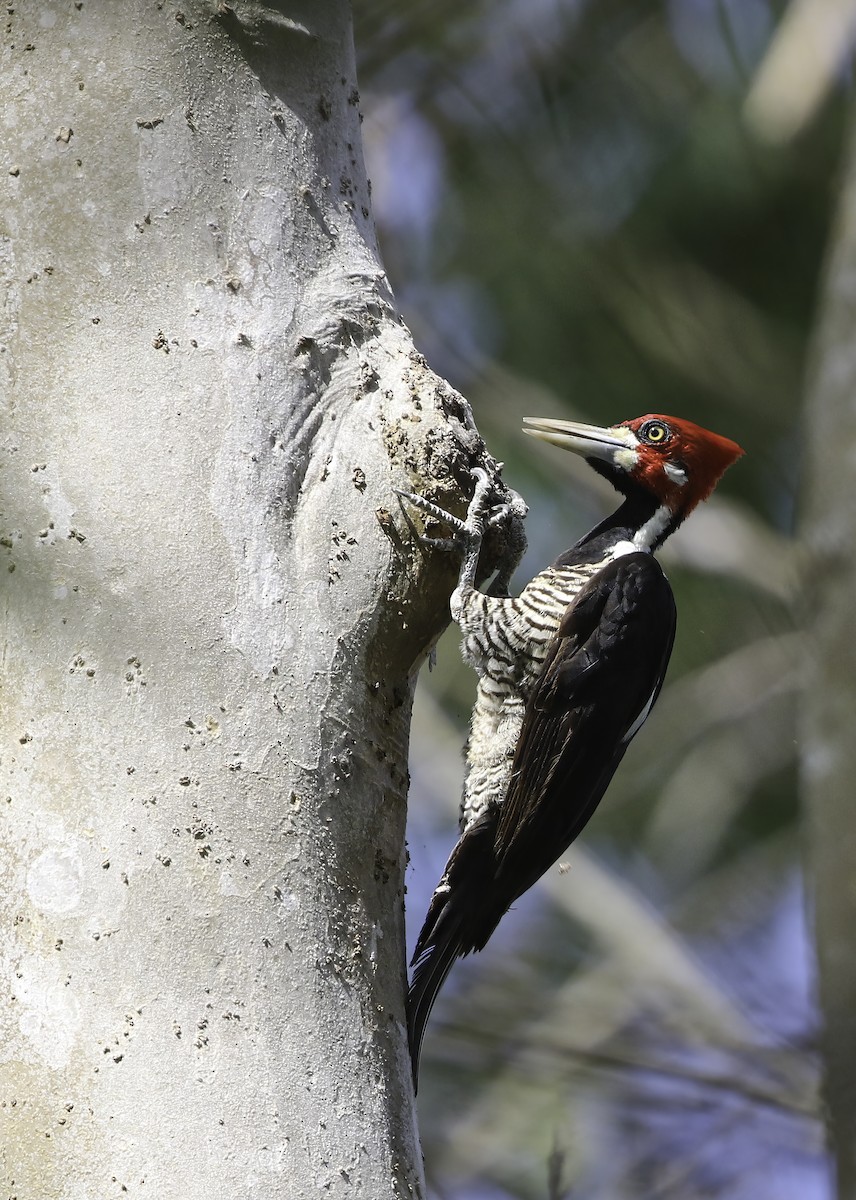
(603, 669)
(602, 673)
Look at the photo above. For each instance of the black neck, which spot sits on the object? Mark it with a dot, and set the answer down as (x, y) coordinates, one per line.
(636, 510)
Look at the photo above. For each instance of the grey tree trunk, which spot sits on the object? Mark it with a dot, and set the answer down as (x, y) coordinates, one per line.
(210, 618)
(829, 714)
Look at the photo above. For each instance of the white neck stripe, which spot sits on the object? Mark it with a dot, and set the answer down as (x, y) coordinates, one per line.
(645, 537)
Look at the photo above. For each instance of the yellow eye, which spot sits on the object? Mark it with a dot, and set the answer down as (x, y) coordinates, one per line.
(655, 432)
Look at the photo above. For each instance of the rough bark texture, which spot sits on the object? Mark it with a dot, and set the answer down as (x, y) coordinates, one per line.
(210, 618)
(829, 715)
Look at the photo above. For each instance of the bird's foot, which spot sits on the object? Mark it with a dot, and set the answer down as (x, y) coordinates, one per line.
(478, 518)
(433, 510)
(467, 534)
(511, 514)
(515, 508)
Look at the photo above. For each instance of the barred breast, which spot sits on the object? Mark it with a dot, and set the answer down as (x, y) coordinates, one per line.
(505, 640)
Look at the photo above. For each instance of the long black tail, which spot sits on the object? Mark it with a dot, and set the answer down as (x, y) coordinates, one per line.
(438, 946)
(456, 924)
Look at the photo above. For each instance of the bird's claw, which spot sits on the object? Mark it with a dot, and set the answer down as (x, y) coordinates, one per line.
(466, 534)
(478, 512)
(433, 510)
(516, 508)
(495, 514)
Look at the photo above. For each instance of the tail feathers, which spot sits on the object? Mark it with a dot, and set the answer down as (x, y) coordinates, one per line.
(438, 946)
(457, 923)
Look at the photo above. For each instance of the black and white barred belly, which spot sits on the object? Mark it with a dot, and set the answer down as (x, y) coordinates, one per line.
(505, 640)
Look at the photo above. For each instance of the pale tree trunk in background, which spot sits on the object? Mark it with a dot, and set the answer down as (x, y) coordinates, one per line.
(829, 718)
(209, 633)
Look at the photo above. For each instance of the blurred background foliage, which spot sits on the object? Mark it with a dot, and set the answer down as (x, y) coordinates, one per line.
(598, 210)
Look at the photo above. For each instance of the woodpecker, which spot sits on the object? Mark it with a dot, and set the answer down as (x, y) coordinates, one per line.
(568, 671)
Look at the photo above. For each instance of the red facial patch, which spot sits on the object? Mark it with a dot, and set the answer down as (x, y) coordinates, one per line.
(703, 457)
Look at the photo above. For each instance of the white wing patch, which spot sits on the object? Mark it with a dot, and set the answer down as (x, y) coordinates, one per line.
(640, 720)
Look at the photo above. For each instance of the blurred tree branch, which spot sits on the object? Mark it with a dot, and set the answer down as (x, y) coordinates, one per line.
(828, 757)
(800, 67)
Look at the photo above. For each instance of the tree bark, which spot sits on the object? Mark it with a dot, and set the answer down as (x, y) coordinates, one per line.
(829, 711)
(211, 618)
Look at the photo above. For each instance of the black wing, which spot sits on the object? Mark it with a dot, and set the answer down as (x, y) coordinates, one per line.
(601, 676)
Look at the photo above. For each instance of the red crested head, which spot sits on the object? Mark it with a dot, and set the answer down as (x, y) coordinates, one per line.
(667, 460)
(680, 462)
